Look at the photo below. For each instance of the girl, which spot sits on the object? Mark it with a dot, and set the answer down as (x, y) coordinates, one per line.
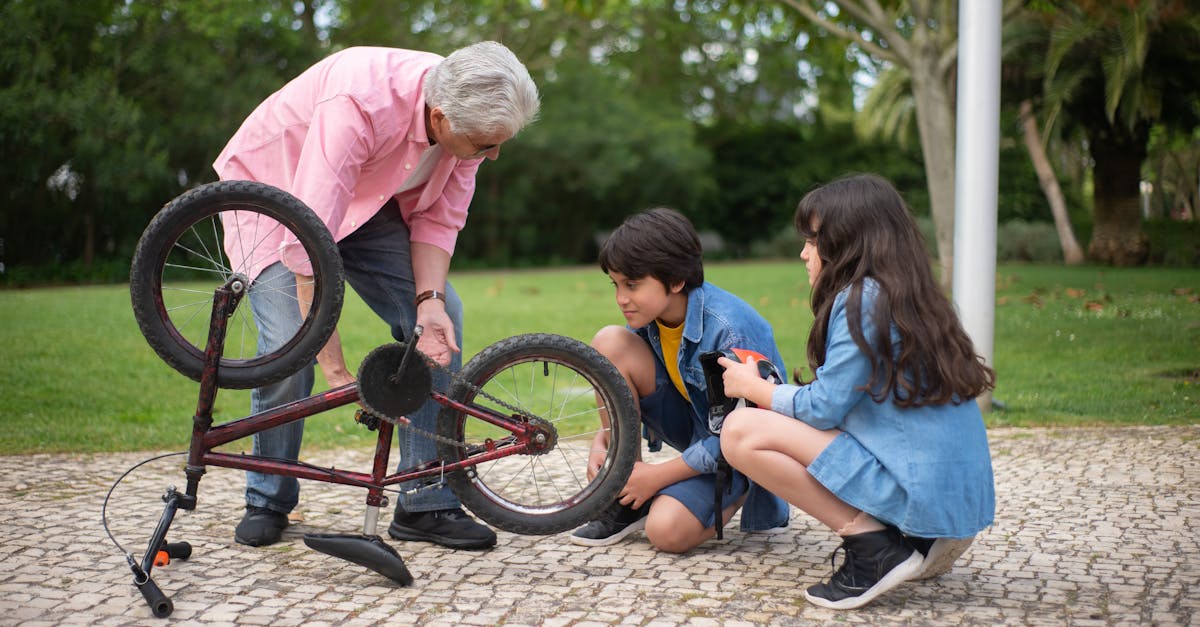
(886, 441)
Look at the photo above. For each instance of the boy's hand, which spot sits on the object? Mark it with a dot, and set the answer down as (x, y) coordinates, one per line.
(643, 484)
(598, 454)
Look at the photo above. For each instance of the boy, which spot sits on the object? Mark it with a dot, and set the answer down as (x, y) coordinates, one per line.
(673, 316)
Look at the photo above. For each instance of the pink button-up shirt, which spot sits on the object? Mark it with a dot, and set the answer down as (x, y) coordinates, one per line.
(342, 137)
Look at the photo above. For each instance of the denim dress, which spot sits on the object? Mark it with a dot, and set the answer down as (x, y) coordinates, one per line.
(715, 320)
(927, 470)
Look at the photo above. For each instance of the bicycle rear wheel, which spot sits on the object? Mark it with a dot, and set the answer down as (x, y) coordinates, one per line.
(573, 388)
(202, 239)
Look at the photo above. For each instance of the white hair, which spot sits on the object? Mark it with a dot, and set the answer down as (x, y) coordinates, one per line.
(483, 88)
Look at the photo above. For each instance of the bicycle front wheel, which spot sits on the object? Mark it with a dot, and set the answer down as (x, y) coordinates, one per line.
(574, 389)
(201, 240)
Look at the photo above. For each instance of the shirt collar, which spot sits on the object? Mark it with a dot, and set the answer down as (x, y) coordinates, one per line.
(417, 132)
(693, 323)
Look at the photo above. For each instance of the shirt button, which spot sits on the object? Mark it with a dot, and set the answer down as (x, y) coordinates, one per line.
(353, 224)
(408, 166)
(381, 197)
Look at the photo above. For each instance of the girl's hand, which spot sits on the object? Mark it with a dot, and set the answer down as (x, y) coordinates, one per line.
(743, 381)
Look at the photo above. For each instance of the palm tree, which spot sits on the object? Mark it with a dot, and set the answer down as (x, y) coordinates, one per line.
(1026, 38)
(888, 110)
(918, 38)
(1114, 69)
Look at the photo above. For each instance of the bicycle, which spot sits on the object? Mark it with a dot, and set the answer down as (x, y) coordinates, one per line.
(516, 425)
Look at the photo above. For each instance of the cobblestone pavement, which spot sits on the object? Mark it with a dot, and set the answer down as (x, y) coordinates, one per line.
(1094, 527)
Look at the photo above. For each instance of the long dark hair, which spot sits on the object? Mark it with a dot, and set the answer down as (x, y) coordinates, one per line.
(863, 229)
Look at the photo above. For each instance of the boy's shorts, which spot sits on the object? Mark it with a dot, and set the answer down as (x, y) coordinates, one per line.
(670, 416)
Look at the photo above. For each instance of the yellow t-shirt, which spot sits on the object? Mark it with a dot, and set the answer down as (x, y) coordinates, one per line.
(670, 338)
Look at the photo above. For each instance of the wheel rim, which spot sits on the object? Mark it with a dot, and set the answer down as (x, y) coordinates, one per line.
(194, 265)
(566, 398)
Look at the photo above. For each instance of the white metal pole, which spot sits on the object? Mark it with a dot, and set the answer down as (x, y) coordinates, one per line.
(977, 171)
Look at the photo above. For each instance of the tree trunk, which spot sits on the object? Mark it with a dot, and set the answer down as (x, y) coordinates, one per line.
(89, 235)
(1072, 253)
(935, 123)
(308, 21)
(1117, 236)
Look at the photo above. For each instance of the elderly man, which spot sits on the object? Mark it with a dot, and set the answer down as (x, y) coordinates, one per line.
(383, 144)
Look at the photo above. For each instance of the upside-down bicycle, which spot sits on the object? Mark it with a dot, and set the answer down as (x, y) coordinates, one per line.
(516, 426)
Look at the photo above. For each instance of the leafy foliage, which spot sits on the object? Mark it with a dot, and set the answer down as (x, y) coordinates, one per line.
(109, 109)
(726, 110)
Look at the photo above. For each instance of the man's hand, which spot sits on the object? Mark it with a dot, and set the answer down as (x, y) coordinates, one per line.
(437, 337)
(430, 265)
(330, 358)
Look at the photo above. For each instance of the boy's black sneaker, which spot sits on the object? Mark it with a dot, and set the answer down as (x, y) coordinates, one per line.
(260, 526)
(875, 562)
(940, 554)
(451, 528)
(611, 526)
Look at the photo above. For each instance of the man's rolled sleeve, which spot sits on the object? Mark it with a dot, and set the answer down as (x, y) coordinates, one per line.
(440, 223)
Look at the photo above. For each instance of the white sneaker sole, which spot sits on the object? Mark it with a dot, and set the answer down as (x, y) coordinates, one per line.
(942, 555)
(898, 575)
(633, 527)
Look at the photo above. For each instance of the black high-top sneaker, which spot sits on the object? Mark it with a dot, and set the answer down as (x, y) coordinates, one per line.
(874, 563)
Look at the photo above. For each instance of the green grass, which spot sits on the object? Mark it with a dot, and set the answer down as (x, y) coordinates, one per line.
(1097, 346)
(1074, 346)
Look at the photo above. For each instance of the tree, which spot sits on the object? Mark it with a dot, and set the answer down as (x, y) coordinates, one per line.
(627, 89)
(919, 36)
(1024, 43)
(110, 108)
(1174, 170)
(1034, 143)
(1114, 69)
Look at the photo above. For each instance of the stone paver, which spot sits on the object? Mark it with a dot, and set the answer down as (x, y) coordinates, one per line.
(1094, 527)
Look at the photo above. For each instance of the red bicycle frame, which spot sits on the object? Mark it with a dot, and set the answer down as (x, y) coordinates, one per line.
(526, 438)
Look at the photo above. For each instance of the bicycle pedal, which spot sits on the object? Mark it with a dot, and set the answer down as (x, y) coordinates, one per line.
(367, 420)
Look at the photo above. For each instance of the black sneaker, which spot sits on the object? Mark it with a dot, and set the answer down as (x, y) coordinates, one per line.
(448, 527)
(260, 526)
(613, 524)
(940, 554)
(875, 562)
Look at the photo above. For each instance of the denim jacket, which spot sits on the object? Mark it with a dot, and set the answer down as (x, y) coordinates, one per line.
(718, 320)
(924, 469)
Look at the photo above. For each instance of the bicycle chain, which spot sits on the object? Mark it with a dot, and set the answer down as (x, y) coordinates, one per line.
(454, 378)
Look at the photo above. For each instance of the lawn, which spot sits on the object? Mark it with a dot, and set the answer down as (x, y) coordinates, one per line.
(1074, 346)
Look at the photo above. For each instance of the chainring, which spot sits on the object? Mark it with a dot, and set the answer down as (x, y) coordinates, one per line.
(389, 391)
(385, 378)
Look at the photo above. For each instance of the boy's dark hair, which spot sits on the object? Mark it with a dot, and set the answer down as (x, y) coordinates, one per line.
(658, 242)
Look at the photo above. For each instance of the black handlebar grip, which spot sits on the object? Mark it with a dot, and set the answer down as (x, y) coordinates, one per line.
(179, 550)
(159, 604)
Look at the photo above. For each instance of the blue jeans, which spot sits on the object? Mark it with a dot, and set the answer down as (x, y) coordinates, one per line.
(378, 264)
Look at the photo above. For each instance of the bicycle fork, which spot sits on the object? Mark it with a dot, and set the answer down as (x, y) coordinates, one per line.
(159, 551)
